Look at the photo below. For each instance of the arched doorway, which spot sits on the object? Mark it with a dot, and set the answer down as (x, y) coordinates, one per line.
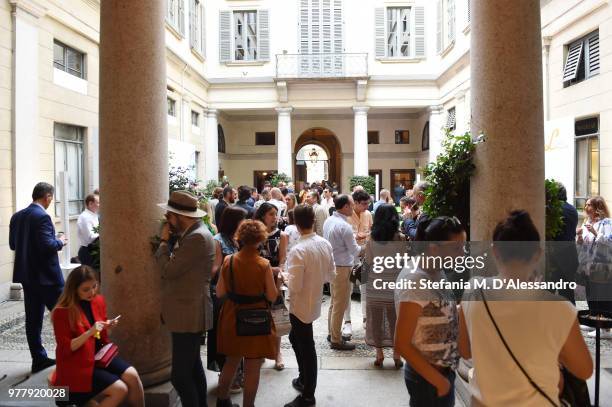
(317, 155)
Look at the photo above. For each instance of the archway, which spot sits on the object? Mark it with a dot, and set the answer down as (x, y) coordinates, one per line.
(324, 160)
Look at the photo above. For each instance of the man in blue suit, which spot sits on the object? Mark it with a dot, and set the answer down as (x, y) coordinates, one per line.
(36, 267)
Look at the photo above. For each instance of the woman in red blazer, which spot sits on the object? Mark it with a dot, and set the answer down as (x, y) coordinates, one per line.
(80, 325)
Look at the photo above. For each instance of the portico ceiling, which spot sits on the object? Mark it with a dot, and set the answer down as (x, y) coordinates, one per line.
(269, 114)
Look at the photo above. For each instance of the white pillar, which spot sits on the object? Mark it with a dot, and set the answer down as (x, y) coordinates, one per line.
(360, 141)
(284, 156)
(436, 131)
(25, 98)
(211, 147)
(460, 113)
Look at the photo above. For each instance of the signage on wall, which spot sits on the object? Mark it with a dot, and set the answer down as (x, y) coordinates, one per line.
(559, 152)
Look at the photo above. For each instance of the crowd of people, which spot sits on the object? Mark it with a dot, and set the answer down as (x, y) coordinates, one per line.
(261, 250)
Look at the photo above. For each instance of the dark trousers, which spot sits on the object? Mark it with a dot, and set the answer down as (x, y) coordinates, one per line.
(188, 376)
(304, 347)
(36, 298)
(424, 394)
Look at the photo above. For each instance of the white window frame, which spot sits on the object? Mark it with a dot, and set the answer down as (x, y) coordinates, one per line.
(173, 15)
(171, 103)
(81, 174)
(400, 32)
(451, 119)
(448, 23)
(256, 56)
(197, 115)
(196, 26)
(589, 138)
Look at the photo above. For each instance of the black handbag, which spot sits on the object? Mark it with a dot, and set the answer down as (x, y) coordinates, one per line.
(250, 321)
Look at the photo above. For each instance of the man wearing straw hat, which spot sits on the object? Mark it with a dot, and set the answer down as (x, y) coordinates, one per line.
(185, 302)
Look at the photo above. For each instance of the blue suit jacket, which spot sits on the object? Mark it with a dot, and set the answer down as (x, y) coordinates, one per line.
(32, 237)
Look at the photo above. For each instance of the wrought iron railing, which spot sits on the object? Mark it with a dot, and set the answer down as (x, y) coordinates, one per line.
(304, 66)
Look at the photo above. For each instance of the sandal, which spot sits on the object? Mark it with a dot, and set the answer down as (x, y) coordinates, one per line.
(279, 366)
(398, 363)
(379, 362)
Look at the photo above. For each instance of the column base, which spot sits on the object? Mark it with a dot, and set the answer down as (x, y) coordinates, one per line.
(157, 377)
(161, 395)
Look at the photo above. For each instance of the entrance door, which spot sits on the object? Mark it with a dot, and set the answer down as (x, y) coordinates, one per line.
(322, 163)
(260, 177)
(401, 180)
(321, 38)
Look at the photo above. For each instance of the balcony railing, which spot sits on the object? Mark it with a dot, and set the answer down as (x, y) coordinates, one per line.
(308, 66)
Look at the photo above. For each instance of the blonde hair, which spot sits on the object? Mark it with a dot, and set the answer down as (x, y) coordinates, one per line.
(70, 296)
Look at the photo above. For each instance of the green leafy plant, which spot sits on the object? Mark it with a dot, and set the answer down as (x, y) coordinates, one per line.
(368, 183)
(554, 209)
(95, 251)
(448, 178)
(278, 178)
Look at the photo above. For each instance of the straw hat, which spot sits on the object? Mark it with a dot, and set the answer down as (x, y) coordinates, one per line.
(183, 203)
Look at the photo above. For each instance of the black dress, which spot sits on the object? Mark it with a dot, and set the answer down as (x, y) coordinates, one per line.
(101, 377)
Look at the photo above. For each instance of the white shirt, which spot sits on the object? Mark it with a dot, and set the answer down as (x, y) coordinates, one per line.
(85, 224)
(294, 236)
(534, 330)
(310, 264)
(339, 233)
(280, 206)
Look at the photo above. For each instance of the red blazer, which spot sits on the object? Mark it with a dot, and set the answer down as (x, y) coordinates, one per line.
(75, 369)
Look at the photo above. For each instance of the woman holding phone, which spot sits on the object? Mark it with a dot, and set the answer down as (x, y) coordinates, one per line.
(81, 330)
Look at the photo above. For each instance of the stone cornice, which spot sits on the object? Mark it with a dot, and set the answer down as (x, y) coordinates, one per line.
(32, 7)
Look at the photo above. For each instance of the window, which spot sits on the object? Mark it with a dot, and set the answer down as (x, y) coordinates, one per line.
(267, 138)
(582, 60)
(587, 160)
(245, 35)
(196, 26)
(220, 140)
(373, 137)
(195, 118)
(425, 138)
(402, 136)
(68, 59)
(451, 119)
(175, 15)
(171, 107)
(446, 22)
(400, 32)
(69, 158)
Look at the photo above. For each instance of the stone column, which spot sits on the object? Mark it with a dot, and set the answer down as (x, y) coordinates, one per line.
(134, 177)
(284, 156)
(26, 15)
(461, 113)
(360, 141)
(211, 147)
(506, 100)
(436, 130)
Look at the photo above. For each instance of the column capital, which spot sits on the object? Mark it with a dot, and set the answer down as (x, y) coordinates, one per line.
(210, 112)
(361, 109)
(460, 95)
(32, 7)
(436, 109)
(284, 111)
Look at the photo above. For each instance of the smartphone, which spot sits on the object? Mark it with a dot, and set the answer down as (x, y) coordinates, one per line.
(115, 319)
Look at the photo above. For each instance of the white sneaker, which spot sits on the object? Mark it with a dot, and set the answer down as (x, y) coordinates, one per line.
(603, 334)
(347, 330)
(586, 328)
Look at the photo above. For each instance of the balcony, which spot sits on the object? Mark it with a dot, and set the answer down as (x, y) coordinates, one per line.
(321, 66)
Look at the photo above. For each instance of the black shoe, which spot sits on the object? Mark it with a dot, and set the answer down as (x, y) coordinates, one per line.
(226, 403)
(42, 365)
(297, 384)
(301, 401)
(343, 346)
(329, 338)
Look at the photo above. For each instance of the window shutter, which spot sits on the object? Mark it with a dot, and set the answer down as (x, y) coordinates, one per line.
(379, 23)
(304, 37)
(573, 61)
(203, 29)
(450, 119)
(451, 20)
(593, 55)
(440, 22)
(225, 41)
(193, 19)
(263, 32)
(338, 37)
(469, 11)
(181, 16)
(419, 31)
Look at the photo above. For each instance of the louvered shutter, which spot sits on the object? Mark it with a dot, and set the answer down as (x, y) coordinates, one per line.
(225, 40)
(304, 37)
(451, 20)
(469, 10)
(379, 31)
(202, 30)
(573, 61)
(419, 31)
(193, 24)
(439, 23)
(593, 55)
(181, 16)
(450, 119)
(338, 37)
(263, 32)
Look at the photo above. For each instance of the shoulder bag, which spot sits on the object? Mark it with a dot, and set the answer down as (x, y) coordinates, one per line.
(250, 321)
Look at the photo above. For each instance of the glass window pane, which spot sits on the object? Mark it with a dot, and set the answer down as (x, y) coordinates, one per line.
(58, 55)
(594, 174)
(74, 62)
(582, 162)
(392, 32)
(60, 165)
